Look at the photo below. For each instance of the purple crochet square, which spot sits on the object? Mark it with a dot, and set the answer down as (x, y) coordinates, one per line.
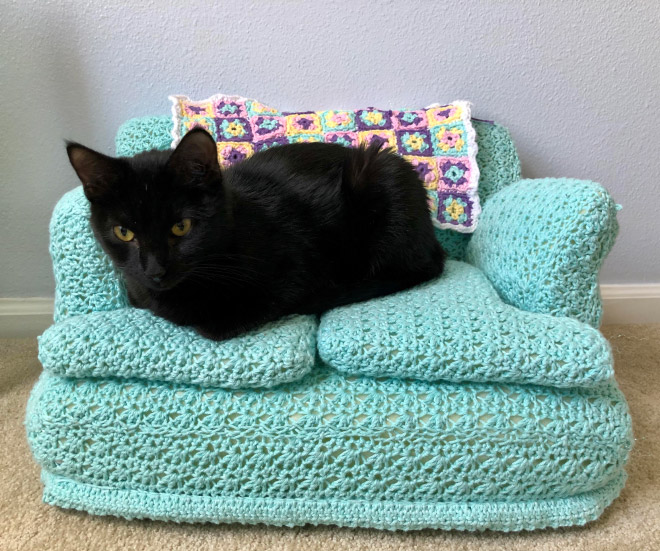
(265, 127)
(267, 144)
(373, 119)
(454, 208)
(453, 174)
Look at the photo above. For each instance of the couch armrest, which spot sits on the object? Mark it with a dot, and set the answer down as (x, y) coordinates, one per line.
(542, 242)
(85, 279)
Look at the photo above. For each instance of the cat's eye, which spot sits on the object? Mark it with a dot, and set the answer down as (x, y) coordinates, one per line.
(182, 227)
(123, 233)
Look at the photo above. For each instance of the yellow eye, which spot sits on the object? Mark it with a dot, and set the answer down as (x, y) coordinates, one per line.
(123, 233)
(181, 228)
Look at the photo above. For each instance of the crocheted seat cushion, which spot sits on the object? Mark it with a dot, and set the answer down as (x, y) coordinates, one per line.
(439, 141)
(129, 342)
(353, 451)
(457, 328)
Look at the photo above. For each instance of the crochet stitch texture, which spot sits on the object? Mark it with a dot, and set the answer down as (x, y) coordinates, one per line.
(134, 343)
(518, 425)
(386, 453)
(433, 332)
(439, 142)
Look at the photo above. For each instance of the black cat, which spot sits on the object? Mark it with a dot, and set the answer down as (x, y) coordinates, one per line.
(298, 228)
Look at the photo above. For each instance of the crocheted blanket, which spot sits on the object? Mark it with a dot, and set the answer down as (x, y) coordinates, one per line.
(439, 141)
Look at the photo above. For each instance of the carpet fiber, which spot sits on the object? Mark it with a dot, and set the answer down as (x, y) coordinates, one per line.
(631, 523)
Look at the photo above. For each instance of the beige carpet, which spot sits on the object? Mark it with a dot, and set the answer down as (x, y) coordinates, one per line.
(631, 523)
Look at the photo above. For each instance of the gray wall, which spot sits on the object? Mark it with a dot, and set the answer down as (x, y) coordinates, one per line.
(576, 83)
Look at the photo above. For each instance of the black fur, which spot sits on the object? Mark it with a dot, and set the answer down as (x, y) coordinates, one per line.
(298, 228)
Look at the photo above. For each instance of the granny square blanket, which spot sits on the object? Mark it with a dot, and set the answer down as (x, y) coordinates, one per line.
(439, 141)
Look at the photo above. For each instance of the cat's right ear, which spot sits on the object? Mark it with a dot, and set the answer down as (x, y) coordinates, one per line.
(97, 172)
(195, 159)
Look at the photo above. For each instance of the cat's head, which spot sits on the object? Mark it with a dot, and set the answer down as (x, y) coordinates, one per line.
(151, 212)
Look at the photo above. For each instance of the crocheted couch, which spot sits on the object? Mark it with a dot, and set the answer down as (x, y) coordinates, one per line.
(484, 399)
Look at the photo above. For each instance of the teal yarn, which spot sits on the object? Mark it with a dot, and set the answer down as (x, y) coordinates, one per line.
(129, 342)
(518, 424)
(542, 242)
(143, 134)
(113, 339)
(85, 278)
(457, 328)
(430, 332)
(353, 451)
(497, 158)
(384, 515)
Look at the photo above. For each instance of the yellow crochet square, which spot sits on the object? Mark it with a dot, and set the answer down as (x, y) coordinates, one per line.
(205, 122)
(194, 109)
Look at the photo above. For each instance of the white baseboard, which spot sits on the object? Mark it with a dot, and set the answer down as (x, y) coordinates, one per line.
(29, 317)
(25, 317)
(631, 303)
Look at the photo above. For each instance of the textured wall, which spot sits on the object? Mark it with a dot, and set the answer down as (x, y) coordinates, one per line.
(577, 83)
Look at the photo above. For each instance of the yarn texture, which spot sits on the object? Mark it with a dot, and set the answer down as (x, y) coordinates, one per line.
(129, 342)
(481, 400)
(387, 453)
(547, 259)
(439, 141)
(433, 332)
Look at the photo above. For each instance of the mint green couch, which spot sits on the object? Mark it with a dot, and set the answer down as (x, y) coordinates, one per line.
(482, 400)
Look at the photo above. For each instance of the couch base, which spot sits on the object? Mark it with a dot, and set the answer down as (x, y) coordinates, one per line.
(388, 515)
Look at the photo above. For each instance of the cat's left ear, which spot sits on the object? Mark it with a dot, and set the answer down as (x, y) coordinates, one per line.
(195, 159)
(98, 173)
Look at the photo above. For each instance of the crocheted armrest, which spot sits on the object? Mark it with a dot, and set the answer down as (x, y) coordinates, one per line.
(542, 242)
(85, 279)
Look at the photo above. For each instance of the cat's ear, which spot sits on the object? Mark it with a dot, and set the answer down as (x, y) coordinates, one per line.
(195, 159)
(97, 172)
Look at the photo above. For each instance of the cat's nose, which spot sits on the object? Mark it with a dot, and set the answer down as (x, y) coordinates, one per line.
(154, 268)
(158, 276)
(155, 272)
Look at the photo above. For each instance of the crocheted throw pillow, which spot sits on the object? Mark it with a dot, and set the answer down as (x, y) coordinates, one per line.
(131, 342)
(439, 141)
(432, 332)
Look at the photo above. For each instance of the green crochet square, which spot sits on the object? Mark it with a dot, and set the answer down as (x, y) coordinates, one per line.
(457, 328)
